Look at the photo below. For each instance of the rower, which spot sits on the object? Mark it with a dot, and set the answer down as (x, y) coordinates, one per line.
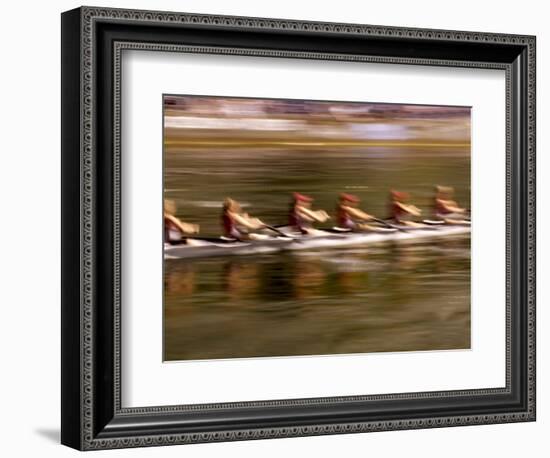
(347, 212)
(401, 211)
(237, 224)
(445, 208)
(175, 230)
(301, 216)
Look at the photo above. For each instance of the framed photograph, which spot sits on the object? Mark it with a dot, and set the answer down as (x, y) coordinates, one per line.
(276, 228)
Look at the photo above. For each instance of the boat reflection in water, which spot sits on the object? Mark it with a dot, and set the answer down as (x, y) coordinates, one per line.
(395, 296)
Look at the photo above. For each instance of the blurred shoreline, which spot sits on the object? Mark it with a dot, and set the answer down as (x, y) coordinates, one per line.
(172, 143)
(205, 122)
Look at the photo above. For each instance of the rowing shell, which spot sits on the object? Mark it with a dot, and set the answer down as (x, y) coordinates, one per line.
(202, 248)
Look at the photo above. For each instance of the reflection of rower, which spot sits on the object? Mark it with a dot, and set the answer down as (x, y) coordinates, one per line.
(401, 211)
(175, 230)
(445, 208)
(301, 216)
(237, 224)
(347, 213)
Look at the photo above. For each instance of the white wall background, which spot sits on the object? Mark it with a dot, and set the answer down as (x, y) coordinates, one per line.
(30, 248)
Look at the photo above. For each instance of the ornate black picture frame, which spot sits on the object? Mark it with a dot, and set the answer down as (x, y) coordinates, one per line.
(92, 42)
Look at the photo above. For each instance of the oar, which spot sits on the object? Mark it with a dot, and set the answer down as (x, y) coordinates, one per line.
(296, 239)
(281, 233)
(385, 223)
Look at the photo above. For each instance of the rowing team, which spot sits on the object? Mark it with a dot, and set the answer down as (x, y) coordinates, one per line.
(238, 225)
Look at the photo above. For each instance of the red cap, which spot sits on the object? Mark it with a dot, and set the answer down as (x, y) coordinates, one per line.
(349, 197)
(397, 195)
(301, 197)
